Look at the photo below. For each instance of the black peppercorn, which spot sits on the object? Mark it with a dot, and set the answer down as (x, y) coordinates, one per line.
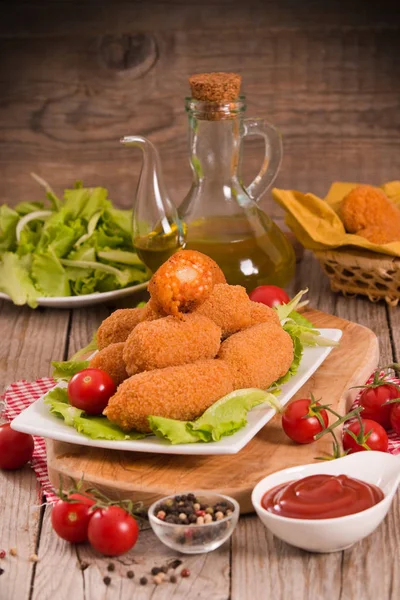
(173, 579)
(130, 574)
(111, 567)
(1, 571)
(143, 580)
(155, 571)
(107, 580)
(175, 564)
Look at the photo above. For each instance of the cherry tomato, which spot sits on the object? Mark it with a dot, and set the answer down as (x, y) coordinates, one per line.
(112, 531)
(16, 448)
(70, 520)
(300, 423)
(373, 398)
(378, 440)
(271, 295)
(395, 417)
(90, 390)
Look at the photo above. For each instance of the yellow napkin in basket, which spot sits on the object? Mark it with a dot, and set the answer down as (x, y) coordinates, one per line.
(317, 225)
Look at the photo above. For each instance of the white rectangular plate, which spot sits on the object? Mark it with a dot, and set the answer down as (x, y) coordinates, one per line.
(37, 419)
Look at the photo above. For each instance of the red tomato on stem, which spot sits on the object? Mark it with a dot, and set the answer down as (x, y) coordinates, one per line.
(16, 448)
(373, 400)
(90, 390)
(300, 421)
(271, 295)
(368, 435)
(112, 531)
(70, 520)
(395, 417)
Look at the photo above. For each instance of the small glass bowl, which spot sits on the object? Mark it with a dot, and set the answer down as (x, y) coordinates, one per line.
(196, 539)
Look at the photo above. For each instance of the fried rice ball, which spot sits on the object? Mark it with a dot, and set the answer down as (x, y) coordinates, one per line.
(257, 356)
(381, 234)
(110, 360)
(117, 327)
(170, 341)
(261, 313)
(366, 206)
(184, 281)
(182, 392)
(229, 307)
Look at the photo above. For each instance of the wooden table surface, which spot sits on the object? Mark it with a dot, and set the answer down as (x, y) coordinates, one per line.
(76, 76)
(252, 565)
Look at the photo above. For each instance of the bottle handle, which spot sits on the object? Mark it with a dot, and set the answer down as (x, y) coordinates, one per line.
(273, 156)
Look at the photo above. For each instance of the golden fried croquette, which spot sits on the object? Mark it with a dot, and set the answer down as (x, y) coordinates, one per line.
(117, 327)
(261, 313)
(381, 234)
(170, 341)
(184, 281)
(110, 360)
(183, 392)
(257, 356)
(365, 207)
(229, 307)
(151, 311)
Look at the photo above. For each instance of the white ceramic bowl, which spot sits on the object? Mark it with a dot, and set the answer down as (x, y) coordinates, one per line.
(332, 535)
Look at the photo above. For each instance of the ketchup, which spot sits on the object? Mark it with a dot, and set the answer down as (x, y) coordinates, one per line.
(321, 497)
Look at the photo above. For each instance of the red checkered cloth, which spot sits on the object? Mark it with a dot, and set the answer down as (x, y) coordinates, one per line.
(21, 394)
(17, 397)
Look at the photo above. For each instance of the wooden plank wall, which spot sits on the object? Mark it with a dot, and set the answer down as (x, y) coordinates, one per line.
(75, 76)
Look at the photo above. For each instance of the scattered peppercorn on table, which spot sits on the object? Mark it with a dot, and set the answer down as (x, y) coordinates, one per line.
(251, 564)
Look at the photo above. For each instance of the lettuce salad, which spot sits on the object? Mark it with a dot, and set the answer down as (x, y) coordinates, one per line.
(224, 417)
(76, 245)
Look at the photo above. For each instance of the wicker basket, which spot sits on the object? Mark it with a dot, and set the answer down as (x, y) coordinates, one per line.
(355, 272)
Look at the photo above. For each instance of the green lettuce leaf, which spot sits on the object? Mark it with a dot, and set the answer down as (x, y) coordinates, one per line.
(66, 369)
(8, 223)
(97, 428)
(87, 350)
(50, 195)
(15, 280)
(57, 399)
(297, 356)
(100, 428)
(121, 219)
(49, 275)
(120, 256)
(224, 417)
(24, 208)
(29, 238)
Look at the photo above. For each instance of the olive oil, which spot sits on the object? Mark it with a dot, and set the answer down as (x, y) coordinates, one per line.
(157, 246)
(250, 250)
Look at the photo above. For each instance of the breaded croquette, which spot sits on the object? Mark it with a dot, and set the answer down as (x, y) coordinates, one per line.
(151, 311)
(367, 211)
(184, 281)
(117, 327)
(378, 234)
(183, 392)
(170, 341)
(261, 313)
(110, 360)
(257, 356)
(229, 307)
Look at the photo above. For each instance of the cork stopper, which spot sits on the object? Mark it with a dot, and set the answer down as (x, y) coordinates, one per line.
(215, 87)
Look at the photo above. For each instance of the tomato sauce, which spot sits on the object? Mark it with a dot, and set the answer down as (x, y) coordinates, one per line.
(321, 497)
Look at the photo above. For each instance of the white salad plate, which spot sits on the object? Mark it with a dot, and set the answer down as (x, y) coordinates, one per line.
(85, 299)
(37, 419)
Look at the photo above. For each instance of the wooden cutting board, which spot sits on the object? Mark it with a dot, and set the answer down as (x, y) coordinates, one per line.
(147, 477)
